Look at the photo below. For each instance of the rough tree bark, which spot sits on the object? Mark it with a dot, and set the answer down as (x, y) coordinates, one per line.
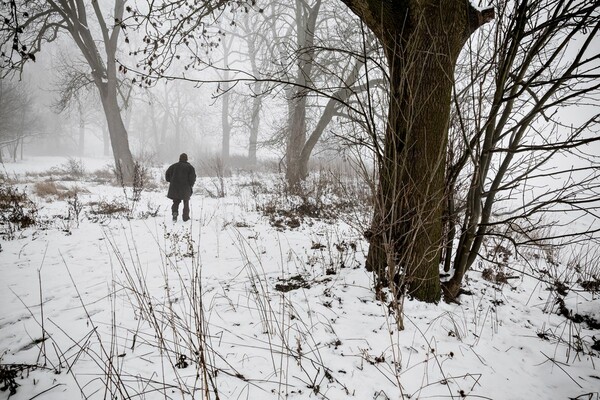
(422, 40)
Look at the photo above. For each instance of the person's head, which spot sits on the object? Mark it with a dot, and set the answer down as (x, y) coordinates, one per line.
(183, 157)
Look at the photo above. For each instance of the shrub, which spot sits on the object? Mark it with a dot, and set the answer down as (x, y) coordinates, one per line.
(72, 169)
(104, 175)
(325, 195)
(17, 211)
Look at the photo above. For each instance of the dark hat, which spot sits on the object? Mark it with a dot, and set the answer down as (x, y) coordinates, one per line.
(183, 157)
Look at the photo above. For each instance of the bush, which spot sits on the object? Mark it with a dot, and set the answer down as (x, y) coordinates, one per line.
(105, 175)
(325, 195)
(72, 169)
(17, 211)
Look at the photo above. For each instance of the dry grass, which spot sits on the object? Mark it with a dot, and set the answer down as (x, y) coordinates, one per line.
(50, 190)
(325, 195)
(104, 207)
(104, 175)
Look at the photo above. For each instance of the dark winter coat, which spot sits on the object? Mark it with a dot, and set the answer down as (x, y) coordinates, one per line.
(181, 177)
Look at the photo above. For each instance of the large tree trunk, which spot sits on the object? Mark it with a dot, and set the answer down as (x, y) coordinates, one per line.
(297, 137)
(104, 72)
(119, 141)
(422, 41)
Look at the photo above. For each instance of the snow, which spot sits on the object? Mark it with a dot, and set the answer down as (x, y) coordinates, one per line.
(146, 307)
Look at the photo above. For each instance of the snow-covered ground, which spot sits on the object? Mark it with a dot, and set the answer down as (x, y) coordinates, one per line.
(233, 306)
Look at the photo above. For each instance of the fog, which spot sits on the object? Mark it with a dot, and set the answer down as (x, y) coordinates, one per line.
(353, 164)
(162, 121)
(304, 85)
(210, 109)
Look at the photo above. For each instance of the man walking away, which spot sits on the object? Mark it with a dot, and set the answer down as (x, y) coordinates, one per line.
(181, 177)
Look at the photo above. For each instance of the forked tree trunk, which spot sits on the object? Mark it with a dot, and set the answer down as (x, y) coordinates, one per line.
(306, 20)
(309, 145)
(341, 96)
(104, 72)
(422, 41)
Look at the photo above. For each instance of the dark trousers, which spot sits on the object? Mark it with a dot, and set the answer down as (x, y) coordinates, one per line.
(186, 209)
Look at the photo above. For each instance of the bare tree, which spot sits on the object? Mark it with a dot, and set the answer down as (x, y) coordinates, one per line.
(315, 59)
(75, 90)
(17, 116)
(153, 122)
(306, 22)
(26, 26)
(509, 129)
(422, 41)
(255, 32)
(225, 94)
(255, 40)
